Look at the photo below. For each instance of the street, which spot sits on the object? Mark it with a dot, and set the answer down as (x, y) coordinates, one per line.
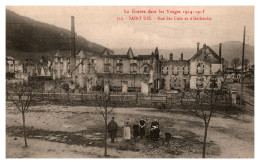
(77, 131)
(248, 95)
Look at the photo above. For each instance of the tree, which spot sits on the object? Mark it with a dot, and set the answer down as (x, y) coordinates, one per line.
(246, 64)
(102, 105)
(236, 62)
(226, 64)
(22, 94)
(203, 105)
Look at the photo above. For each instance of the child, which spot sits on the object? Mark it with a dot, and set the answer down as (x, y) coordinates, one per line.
(167, 138)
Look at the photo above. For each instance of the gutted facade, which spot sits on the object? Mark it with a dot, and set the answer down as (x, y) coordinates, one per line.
(129, 72)
(176, 73)
(205, 69)
(122, 72)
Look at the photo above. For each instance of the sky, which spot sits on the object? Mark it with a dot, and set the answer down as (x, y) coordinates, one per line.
(100, 25)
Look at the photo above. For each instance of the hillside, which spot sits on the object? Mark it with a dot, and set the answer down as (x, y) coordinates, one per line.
(229, 51)
(233, 49)
(27, 38)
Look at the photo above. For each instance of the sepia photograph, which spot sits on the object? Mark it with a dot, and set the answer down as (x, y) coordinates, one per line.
(129, 82)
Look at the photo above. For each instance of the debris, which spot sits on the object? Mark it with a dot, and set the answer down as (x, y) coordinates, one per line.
(178, 137)
(78, 134)
(66, 126)
(63, 140)
(52, 138)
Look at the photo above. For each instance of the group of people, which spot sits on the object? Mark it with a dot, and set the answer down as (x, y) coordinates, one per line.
(143, 128)
(140, 128)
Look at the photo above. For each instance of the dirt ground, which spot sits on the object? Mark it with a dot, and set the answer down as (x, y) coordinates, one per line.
(77, 131)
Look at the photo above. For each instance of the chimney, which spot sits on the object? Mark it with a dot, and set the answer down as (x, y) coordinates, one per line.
(171, 57)
(220, 52)
(73, 44)
(204, 48)
(156, 52)
(181, 56)
(198, 46)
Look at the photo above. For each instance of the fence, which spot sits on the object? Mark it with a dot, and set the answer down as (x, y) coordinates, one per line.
(118, 99)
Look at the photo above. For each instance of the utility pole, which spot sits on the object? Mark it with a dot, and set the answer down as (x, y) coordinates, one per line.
(242, 69)
(73, 38)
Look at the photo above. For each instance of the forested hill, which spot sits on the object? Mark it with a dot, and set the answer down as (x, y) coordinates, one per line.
(27, 38)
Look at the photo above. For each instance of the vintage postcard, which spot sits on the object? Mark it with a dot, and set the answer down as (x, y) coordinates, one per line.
(130, 82)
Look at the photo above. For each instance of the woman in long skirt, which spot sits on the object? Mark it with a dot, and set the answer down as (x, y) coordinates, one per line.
(127, 132)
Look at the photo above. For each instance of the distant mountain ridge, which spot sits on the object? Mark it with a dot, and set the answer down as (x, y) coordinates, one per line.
(230, 50)
(233, 49)
(27, 38)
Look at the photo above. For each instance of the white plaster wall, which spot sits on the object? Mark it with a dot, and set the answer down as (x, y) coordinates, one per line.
(144, 88)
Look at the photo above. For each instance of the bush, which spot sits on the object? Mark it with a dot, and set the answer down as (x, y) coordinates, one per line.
(162, 106)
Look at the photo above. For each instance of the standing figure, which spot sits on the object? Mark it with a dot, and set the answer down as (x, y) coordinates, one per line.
(156, 133)
(127, 133)
(154, 130)
(142, 127)
(154, 123)
(147, 127)
(167, 137)
(112, 129)
(135, 130)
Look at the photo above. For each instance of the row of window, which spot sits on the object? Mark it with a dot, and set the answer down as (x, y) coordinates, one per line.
(200, 68)
(134, 61)
(212, 82)
(93, 61)
(119, 69)
(106, 61)
(176, 73)
(176, 67)
(175, 70)
(107, 68)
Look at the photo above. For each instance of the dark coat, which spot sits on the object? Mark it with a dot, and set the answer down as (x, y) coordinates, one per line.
(135, 130)
(142, 122)
(112, 127)
(154, 123)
